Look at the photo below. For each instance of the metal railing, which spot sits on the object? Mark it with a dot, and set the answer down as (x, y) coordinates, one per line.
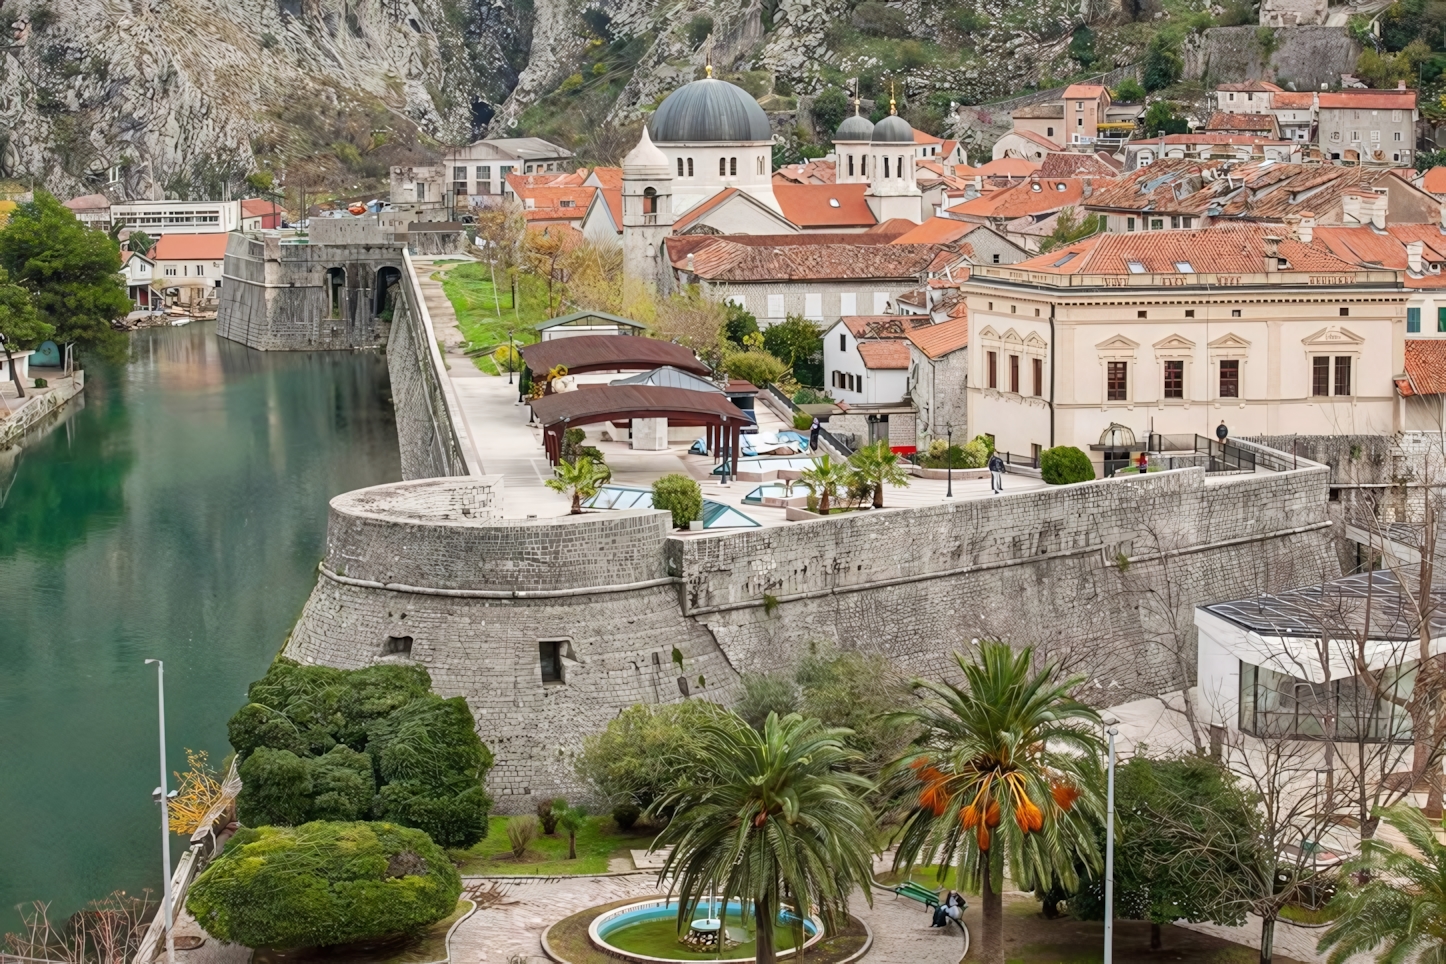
(1216, 457)
(784, 407)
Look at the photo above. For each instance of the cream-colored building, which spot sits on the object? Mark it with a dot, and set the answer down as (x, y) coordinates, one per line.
(1175, 333)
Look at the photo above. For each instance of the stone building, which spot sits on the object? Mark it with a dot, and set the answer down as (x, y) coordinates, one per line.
(476, 173)
(866, 358)
(1368, 126)
(939, 378)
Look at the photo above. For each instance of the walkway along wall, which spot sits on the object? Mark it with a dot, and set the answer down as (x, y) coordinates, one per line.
(1103, 575)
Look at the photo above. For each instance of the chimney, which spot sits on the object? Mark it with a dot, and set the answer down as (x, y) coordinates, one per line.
(1351, 212)
(1307, 227)
(1378, 208)
(1272, 252)
(1087, 189)
(690, 262)
(1415, 262)
(1292, 224)
(1400, 85)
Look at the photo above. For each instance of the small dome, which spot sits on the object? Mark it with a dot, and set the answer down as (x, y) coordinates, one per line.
(646, 158)
(854, 128)
(1118, 436)
(893, 130)
(710, 110)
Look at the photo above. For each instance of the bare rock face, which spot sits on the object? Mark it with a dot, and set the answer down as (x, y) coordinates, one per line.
(141, 97)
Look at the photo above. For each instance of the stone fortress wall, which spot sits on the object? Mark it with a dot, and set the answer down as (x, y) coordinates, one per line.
(1103, 575)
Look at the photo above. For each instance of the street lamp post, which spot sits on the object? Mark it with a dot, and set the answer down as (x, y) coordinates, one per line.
(949, 460)
(1112, 732)
(511, 354)
(164, 799)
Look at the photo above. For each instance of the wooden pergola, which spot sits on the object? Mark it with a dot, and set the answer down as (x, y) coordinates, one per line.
(722, 420)
(608, 353)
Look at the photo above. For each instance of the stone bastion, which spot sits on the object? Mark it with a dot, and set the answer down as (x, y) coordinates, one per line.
(550, 627)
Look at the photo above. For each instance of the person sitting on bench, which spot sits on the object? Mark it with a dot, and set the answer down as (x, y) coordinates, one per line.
(950, 909)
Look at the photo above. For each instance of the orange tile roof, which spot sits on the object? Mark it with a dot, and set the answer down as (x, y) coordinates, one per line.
(1076, 91)
(884, 326)
(1225, 249)
(703, 207)
(730, 261)
(1225, 121)
(936, 341)
(1356, 99)
(609, 177)
(824, 205)
(1034, 196)
(255, 207)
(893, 227)
(1075, 164)
(190, 247)
(923, 137)
(1435, 181)
(1249, 85)
(1425, 367)
(1007, 167)
(937, 230)
(818, 171)
(883, 355)
(1292, 100)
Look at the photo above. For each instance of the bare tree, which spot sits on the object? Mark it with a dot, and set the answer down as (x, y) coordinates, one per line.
(106, 931)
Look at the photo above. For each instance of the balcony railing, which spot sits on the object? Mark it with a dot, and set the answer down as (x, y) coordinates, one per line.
(1186, 451)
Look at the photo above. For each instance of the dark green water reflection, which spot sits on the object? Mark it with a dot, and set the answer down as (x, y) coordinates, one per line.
(178, 513)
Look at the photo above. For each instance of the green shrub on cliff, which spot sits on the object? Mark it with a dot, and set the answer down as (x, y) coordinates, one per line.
(316, 743)
(1065, 465)
(679, 495)
(323, 883)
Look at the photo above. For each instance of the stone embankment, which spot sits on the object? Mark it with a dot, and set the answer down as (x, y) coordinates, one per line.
(38, 407)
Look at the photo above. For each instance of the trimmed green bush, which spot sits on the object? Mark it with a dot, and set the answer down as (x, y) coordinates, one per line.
(1065, 465)
(41, 383)
(626, 814)
(324, 883)
(754, 365)
(679, 495)
(317, 743)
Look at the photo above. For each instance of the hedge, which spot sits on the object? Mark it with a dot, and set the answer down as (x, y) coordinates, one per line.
(1065, 465)
(323, 883)
(679, 495)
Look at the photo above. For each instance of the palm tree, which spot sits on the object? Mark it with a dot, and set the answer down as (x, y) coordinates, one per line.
(571, 820)
(1399, 913)
(824, 478)
(582, 477)
(770, 813)
(1005, 767)
(878, 465)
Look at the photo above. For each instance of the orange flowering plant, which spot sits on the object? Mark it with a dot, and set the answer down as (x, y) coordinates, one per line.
(1005, 770)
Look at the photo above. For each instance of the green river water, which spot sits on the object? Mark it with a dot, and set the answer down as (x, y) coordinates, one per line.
(177, 511)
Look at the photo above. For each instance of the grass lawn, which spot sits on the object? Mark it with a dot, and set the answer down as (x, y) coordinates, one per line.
(484, 314)
(599, 840)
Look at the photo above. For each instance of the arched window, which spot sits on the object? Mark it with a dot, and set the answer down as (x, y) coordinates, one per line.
(650, 201)
(901, 166)
(722, 167)
(680, 167)
(733, 166)
(335, 285)
(760, 163)
(886, 166)
(851, 165)
(690, 167)
(863, 165)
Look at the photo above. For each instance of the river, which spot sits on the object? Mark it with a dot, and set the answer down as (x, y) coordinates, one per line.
(177, 511)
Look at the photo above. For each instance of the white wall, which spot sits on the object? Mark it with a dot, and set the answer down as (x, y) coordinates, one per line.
(755, 171)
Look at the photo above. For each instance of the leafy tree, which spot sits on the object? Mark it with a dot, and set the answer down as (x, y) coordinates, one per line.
(571, 820)
(640, 753)
(581, 478)
(754, 365)
(1082, 47)
(794, 340)
(769, 816)
(260, 182)
(1393, 904)
(322, 884)
(1160, 118)
(275, 789)
(829, 110)
(1007, 764)
(1425, 160)
(859, 692)
(692, 319)
(1183, 844)
(679, 495)
(766, 694)
(70, 272)
(1069, 227)
(140, 242)
(1129, 91)
(433, 764)
(877, 465)
(20, 325)
(824, 478)
(1162, 66)
(1065, 465)
(740, 324)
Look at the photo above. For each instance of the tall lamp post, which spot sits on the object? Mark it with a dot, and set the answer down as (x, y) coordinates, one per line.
(949, 460)
(511, 355)
(164, 799)
(1112, 732)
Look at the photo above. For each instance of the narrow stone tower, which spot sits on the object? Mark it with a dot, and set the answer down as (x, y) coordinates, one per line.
(893, 192)
(647, 210)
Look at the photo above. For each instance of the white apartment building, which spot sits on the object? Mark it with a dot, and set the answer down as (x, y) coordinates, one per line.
(158, 218)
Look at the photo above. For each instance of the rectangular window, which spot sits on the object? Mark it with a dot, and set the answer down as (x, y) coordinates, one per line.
(1343, 374)
(843, 342)
(200, 269)
(1049, 132)
(813, 307)
(421, 190)
(1014, 374)
(1038, 365)
(1413, 321)
(550, 653)
(775, 307)
(1396, 136)
(1174, 379)
(881, 302)
(484, 172)
(459, 174)
(1116, 385)
(503, 170)
(992, 363)
(1189, 312)
(732, 167)
(1320, 375)
(1229, 378)
(848, 303)
(1234, 312)
(1441, 319)
(1129, 224)
(1157, 224)
(680, 167)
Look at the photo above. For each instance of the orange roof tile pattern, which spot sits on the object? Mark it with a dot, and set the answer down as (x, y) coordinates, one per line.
(1076, 164)
(824, 205)
(1226, 249)
(1036, 195)
(730, 261)
(1006, 167)
(884, 355)
(817, 171)
(1435, 181)
(937, 230)
(703, 207)
(1425, 367)
(1355, 99)
(1248, 85)
(1077, 91)
(190, 247)
(936, 341)
(1224, 121)
(1293, 100)
(884, 326)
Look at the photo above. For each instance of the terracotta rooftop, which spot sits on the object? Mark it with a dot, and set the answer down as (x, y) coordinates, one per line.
(883, 355)
(1293, 100)
(88, 202)
(1425, 367)
(939, 340)
(1249, 85)
(937, 230)
(924, 137)
(731, 261)
(1435, 181)
(824, 205)
(255, 207)
(190, 247)
(884, 326)
(1258, 123)
(1007, 167)
(1074, 91)
(1034, 196)
(1225, 249)
(1076, 164)
(1355, 99)
(817, 171)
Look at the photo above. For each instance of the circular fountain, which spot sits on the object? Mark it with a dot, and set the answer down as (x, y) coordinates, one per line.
(647, 931)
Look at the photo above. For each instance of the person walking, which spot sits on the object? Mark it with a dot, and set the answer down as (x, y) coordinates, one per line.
(996, 473)
(813, 431)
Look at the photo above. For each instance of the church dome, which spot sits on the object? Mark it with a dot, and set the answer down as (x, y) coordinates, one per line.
(710, 110)
(646, 158)
(854, 128)
(893, 130)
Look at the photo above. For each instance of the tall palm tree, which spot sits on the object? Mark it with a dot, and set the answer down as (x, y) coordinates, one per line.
(582, 477)
(1400, 911)
(879, 465)
(1005, 767)
(824, 478)
(770, 813)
